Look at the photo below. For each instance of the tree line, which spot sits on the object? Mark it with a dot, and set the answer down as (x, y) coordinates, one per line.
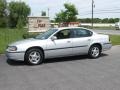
(69, 14)
(98, 20)
(13, 14)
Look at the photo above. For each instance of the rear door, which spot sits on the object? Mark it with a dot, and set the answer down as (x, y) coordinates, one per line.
(81, 40)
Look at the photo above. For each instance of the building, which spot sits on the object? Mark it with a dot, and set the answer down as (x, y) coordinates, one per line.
(38, 24)
(66, 24)
(70, 24)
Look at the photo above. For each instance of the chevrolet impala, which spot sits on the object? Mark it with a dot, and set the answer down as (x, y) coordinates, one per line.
(59, 42)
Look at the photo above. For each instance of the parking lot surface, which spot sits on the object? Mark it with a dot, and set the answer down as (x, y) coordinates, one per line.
(70, 73)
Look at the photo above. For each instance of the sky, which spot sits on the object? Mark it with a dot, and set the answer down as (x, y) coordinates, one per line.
(102, 9)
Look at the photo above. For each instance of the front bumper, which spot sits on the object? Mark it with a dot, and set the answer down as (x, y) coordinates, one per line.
(17, 56)
(106, 46)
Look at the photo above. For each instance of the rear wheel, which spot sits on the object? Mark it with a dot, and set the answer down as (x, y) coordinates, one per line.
(34, 56)
(94, 51)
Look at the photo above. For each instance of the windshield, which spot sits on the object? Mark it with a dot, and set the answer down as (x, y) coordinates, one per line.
(46, 34)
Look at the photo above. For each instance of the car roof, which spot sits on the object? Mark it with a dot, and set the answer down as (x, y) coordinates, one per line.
(61, 28)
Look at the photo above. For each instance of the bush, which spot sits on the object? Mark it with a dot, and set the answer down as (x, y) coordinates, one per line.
(20, 23)
(27, 35)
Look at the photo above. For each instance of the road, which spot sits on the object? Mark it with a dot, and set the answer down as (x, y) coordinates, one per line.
(111, 32)
(71, 73)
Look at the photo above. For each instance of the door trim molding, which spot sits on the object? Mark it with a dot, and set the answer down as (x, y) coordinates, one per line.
(65, 47)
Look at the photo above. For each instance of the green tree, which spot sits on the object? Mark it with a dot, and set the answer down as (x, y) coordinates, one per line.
(60, 17)
(105, 20)
(20, 23)
(18, 13)
(111, 20)
(116, 19)
(68, 15)
(97, 20)
(3, 19)
(43, 13)
(88, 20)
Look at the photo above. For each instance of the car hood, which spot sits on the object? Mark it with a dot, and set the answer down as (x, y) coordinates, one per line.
(25, 41)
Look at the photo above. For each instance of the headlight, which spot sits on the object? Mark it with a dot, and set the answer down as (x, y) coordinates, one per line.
(12, 48)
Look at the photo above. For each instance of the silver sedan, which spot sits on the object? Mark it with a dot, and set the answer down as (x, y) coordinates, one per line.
(59, 42)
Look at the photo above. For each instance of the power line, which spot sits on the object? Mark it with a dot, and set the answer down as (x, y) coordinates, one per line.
(111, 8)
(84, 7)
(108, 10)
(99, 13)
(104, 10)
(113, 2)
(108, 3)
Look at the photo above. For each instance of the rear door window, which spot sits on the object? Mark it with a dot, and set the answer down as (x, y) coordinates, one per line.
(76, 33)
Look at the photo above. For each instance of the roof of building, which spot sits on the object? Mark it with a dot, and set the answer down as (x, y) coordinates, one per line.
(70, 27)
(38, 17)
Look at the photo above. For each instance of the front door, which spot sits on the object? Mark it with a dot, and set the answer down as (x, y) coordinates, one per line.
(62, 46)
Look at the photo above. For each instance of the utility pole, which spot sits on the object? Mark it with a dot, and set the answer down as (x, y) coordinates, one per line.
(92, 12)
(48, 12)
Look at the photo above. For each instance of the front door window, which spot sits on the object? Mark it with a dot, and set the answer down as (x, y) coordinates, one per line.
(64, 34)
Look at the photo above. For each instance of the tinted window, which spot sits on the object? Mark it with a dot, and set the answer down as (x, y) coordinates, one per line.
(64, 34)
(81, 33)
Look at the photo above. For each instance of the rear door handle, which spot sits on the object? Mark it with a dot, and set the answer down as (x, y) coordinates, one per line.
(89, 39)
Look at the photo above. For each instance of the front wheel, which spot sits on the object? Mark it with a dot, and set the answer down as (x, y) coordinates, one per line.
(34, 56)
(94, 51)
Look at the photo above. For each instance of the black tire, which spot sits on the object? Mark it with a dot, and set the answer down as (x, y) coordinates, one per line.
(92, 53)
(30, 59)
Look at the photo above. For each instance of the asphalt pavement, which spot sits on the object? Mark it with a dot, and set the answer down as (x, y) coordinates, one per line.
(111, 32)
(70, 73)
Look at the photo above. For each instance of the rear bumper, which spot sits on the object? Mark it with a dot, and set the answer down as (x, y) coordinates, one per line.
(106, 46)
(17, 56)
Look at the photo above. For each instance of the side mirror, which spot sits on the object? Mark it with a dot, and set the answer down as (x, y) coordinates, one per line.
(53, 38)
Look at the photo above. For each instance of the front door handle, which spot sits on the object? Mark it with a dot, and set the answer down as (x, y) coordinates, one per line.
(68, 41)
